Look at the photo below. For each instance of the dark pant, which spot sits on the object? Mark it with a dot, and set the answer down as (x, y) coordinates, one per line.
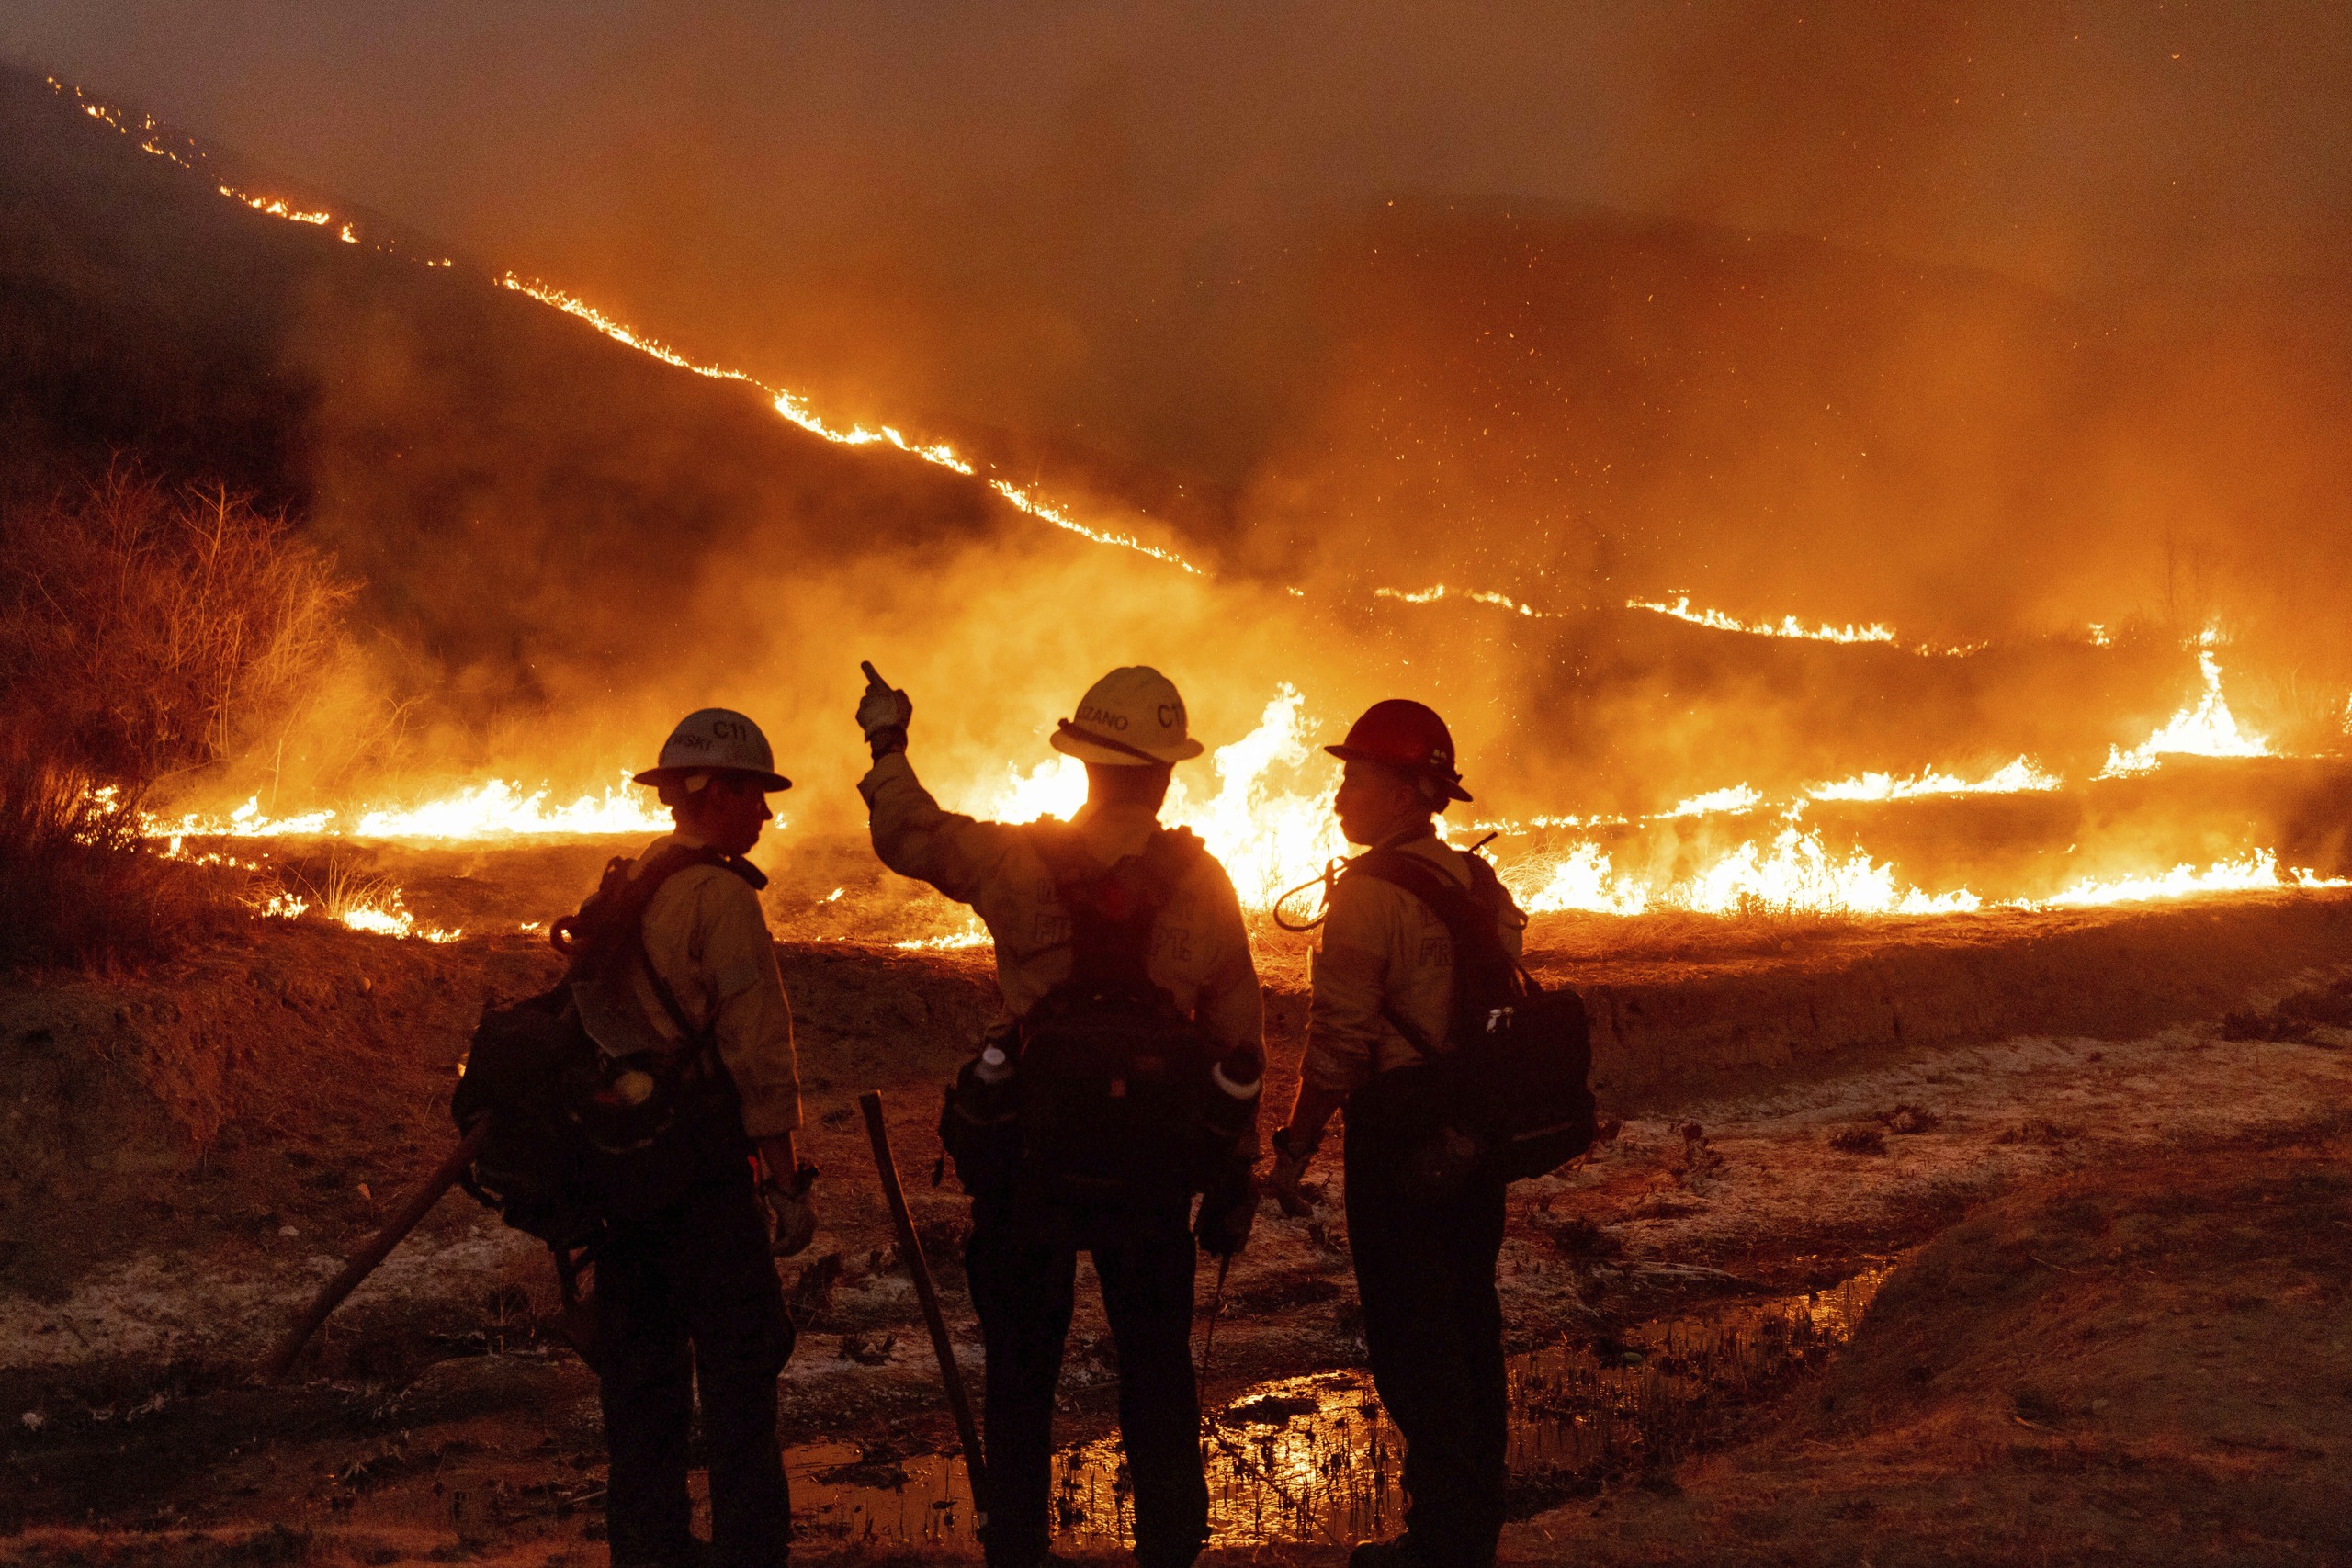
(1425, 1273)
(690, 1292)
(1023, 1263)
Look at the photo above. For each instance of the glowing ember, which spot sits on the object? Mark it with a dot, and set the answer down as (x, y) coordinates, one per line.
(2020, 776)
(2205, 728)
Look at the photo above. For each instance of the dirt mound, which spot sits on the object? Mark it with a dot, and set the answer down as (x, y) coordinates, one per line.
(268, 1098)
(2142, 1364)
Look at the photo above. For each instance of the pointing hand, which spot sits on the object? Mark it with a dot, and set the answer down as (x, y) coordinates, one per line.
(884, 714)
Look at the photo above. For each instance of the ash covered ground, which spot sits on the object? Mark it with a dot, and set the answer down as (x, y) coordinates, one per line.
(2080, 1184)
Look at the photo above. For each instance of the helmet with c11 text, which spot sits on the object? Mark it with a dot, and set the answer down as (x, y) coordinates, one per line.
(715, 741)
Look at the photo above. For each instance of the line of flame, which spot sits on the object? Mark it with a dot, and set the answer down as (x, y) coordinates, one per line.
(1788, 626)
(1437, 593)
(794, 408)
(495, 808)
(2022, 776)
(1799, 873)
(1681, 610)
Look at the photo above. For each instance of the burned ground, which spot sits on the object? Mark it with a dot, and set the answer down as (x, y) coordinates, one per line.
(2098, 1254)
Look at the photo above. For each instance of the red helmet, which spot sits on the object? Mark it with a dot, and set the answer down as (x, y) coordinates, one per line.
(1403, 734)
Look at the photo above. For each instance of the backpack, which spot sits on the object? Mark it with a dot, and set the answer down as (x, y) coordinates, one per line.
(1114, 1080)
(1513, 1069)
(579, 1138)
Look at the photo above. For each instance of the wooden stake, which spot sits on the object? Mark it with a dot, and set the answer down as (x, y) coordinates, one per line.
(959, 1404)
(379, 1246)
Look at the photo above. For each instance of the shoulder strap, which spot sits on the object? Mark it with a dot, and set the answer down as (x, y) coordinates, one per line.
(1485, 974)
(609, 929)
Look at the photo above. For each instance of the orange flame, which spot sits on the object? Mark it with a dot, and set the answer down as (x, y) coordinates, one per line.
(2204, 729)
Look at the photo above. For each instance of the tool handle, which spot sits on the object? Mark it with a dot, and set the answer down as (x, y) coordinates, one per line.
(959, 1404)
(363, 1263)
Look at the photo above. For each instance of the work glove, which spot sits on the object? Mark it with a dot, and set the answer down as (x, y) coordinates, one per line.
(792, 1219)
(884, 714)
(1228, 1211)
(1288, 1179)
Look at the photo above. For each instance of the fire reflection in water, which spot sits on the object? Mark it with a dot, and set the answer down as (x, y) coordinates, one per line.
(1314, 1459)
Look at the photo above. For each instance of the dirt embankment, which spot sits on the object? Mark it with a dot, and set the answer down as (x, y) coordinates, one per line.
(261, 1103)
(2148, 1363)
(1686, 1006)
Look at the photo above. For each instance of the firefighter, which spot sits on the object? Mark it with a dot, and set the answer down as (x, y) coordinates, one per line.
(1425, 1227)
(1054, 896)
(686, 1291)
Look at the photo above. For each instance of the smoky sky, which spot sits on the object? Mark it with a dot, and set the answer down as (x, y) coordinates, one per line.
(1007, 212)
(1110, 230)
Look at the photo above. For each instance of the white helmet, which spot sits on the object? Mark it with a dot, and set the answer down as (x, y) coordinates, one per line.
(715, 740)
(1132, 717)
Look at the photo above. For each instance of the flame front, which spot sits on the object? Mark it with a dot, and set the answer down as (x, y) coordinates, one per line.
(2022, 776)
(2205, 728)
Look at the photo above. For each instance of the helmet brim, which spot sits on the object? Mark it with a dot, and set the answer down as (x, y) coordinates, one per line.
(654, 778)
(1452, 786)
(1071, 741)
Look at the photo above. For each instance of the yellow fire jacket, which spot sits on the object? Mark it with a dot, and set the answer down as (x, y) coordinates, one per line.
(709, 942)
(1199, 950)
(1381, 948)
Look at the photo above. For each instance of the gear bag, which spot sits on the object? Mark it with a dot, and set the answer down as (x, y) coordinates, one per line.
(1114, 1080)
(580, 1136)
(1508, 1088)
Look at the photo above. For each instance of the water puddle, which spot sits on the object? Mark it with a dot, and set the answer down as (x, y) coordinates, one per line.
(1314, 1458)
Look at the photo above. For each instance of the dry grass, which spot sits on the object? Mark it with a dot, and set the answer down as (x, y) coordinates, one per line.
(145, 633)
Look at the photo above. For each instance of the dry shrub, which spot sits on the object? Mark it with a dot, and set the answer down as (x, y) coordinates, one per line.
(145, 633)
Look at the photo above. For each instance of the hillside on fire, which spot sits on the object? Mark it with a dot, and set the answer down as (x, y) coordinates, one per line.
(1777, 576)
(542, 521)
